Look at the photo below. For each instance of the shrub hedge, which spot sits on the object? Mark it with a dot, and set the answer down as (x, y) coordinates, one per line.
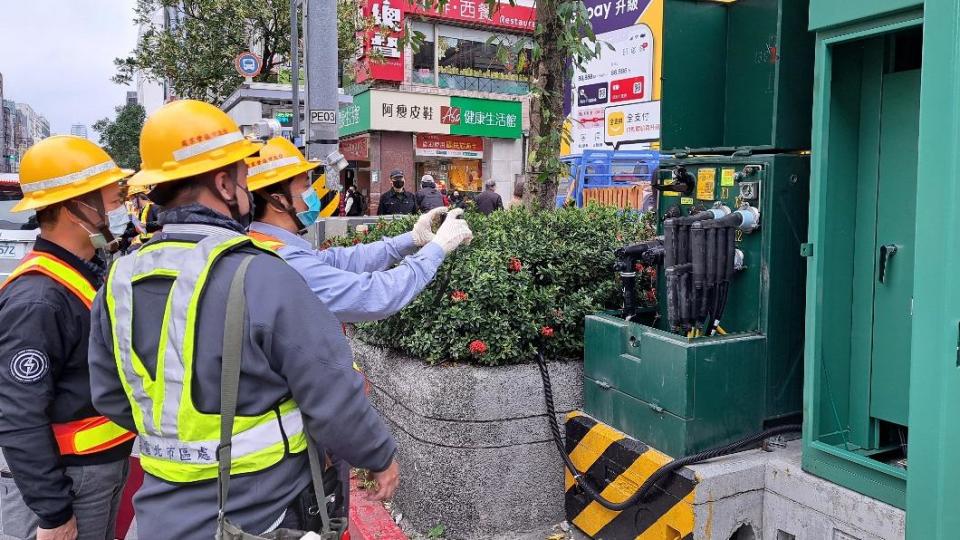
(527, 278)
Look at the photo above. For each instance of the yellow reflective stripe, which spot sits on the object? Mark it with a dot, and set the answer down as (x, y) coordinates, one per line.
(159, 272)
(175, 471)
(95, 436)
(165, 244)
(63, 271)
(193, 424)
(135, 409)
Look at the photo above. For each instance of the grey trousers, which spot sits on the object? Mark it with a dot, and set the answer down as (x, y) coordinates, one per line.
(97, 490)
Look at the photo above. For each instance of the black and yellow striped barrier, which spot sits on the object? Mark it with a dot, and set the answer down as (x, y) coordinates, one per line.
(329, 202)
(620, 465)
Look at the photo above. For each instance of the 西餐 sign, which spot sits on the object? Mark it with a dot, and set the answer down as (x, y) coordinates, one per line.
(382, 110)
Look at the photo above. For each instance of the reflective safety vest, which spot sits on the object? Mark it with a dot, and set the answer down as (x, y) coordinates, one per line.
(144, 217)
(89, 435)
(178, 442)
(270, 242)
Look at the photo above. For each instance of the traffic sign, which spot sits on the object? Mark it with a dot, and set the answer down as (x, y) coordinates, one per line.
(248, 64)
(322, 116)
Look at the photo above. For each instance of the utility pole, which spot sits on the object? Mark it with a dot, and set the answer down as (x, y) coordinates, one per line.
(322, 90)
(295, 67)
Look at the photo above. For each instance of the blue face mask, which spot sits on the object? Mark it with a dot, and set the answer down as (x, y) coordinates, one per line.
(117, 220)
(310, 215)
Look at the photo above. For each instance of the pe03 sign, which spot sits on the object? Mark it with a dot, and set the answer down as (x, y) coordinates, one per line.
(321, 116)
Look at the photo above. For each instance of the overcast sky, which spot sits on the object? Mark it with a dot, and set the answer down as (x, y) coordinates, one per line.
(57, 55)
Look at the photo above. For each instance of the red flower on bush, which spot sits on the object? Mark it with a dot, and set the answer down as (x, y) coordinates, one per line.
(652, 295)
(356, 241)
(515, 265)
(478, 347)
(546, 331)
(651, 271)
(459, 296)
(638, 267)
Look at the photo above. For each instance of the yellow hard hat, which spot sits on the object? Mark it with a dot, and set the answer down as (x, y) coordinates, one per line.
(278, 160)
(137, 190)
(185, 138)
(63, 167)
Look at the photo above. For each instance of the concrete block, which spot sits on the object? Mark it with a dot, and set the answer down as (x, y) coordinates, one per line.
(784, 519)
(770, 492)
(475, 449)
(786, 478)
(720, 519)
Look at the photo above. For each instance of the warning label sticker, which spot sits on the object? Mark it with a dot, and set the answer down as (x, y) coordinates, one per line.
(727, 176)
(706, 184)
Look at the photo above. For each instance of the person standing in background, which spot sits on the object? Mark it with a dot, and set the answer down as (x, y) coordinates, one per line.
(397, 200)
(428, 197)
(489, 200)
(354, 205)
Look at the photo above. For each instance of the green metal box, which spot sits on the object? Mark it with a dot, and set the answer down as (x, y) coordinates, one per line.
(682, 395)
(736, 74)
(865, 237)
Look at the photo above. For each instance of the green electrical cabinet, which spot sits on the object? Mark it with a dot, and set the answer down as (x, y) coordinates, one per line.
(861, 288)
(683, 395)
(736, 74)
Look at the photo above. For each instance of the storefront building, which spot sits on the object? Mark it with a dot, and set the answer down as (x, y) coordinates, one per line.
(455, 108)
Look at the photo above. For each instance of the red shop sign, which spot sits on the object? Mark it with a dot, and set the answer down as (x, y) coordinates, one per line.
(356, 149)
(503, 15)
(449, 142)
(382, 57)
(429, 144)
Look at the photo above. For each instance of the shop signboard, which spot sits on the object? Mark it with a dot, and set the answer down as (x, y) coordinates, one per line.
(503, 14)
(487, 117)
(400, 111)
(382, 55)
(356, 148)
(636, 122)
(451, 146)
(426, 113)
(604, 96)
(355, 117)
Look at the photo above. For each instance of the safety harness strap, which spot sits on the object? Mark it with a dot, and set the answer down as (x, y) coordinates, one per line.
(233, 333)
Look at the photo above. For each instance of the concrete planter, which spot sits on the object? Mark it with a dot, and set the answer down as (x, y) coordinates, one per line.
(475, 449)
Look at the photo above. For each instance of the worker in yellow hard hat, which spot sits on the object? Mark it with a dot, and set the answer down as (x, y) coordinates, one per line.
(359, 283)
(144, 214)
(65, 463)
(215, 351)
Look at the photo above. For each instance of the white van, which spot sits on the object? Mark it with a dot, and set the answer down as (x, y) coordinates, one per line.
(17, 230)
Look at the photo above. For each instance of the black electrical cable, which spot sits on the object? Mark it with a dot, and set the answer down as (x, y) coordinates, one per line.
(658, 475)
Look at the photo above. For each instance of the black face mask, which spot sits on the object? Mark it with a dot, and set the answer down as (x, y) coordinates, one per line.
(243, 219)
(398, 184)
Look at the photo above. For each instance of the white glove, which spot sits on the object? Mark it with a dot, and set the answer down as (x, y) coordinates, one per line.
(423, 230)
(453, 232)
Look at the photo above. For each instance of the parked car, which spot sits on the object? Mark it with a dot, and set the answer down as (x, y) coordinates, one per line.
(18, 231)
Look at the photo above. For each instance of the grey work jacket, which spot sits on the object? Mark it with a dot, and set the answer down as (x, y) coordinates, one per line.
(294, 347)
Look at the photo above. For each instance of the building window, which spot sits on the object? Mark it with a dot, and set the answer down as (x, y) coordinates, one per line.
(467, 64)
(423, 64)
